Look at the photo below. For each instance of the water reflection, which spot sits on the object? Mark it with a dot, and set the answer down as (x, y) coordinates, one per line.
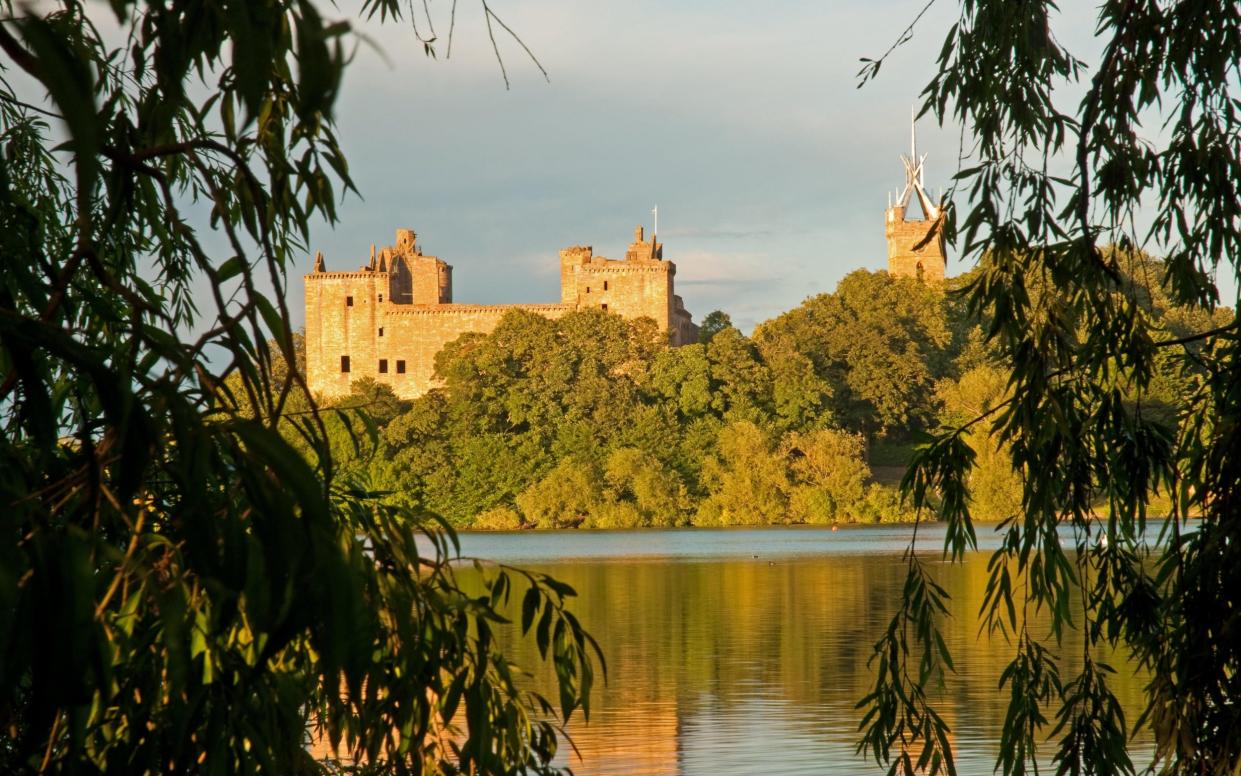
(721, 662)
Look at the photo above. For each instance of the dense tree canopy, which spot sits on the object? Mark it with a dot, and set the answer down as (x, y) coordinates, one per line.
(181, 591)
(592, 420)
(1091, 360)
(879, 342)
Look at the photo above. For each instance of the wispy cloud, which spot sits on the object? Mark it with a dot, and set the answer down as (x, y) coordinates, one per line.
(715, 233)
(716, 268)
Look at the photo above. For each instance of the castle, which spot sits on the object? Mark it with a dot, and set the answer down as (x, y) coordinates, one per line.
(388, 319)
(915, 246)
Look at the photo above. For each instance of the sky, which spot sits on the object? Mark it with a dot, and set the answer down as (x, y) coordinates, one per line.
(741, 121)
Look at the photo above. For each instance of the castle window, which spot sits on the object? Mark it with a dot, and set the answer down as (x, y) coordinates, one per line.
(349, 301)
(381, 331)
(383, 366)
(604, 306)
(588, 289)
(381, 298)
(605, 285)
(400, 367)
(344, 364)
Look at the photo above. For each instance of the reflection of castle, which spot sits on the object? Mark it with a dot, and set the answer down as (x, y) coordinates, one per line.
(915, 246)
(390, 318)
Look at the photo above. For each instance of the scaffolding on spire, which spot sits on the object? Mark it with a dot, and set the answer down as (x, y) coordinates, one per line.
(914, 175)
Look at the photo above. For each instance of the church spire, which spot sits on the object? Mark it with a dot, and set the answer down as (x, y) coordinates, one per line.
(913, 132)
(915, 166)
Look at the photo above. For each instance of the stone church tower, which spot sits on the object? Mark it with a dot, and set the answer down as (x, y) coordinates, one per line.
(915, 246)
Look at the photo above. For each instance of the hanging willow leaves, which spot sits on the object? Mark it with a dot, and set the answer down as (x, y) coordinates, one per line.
(180, 590)
(1064, 290)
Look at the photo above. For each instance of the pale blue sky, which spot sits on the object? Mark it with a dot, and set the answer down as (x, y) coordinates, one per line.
(742, 121)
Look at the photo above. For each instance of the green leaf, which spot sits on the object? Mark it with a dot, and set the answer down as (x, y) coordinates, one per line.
(529, 607)
(231, 269)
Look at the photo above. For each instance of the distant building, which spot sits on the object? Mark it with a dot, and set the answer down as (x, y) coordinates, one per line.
(388, 319)
(915, 246)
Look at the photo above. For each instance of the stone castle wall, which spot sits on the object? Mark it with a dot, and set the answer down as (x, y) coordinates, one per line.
(388, 320)
(413, 337)
(638, 286)
(343, 314)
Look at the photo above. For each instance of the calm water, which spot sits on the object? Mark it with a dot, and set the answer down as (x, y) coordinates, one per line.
(744, 651)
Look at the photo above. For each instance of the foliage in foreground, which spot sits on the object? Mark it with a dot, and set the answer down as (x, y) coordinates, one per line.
(1084, 413)
(180, 591)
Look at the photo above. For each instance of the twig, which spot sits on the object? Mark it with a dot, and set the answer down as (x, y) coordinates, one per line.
(120, 572)
(489, 15)
(452, 25)
(51, 738)
(872, 67)
(11, 99)
(1089, 118)
(494, 47)
(413, 21)
(1199, 336)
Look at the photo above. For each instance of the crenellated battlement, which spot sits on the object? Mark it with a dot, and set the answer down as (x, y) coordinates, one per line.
(471, 309)
(360, 274)
(577, 254)
(621, 266)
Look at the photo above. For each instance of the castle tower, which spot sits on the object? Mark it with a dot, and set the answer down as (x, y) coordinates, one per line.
(417, 279)
(915, 246)
(343, 311)
(638, 286)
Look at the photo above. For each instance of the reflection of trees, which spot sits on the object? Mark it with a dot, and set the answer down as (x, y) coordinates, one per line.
(689, 638)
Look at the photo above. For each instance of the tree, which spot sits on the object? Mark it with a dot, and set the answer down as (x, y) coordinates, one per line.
(180, 590)
(681, 378)
(740, 382)
(747, 478)
(564, 498)
(715, 322)
(592, 421)
(656, 493)
(829, 473)
(801, 397)
(877, 344)
(995, 487)
(1081, 359)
